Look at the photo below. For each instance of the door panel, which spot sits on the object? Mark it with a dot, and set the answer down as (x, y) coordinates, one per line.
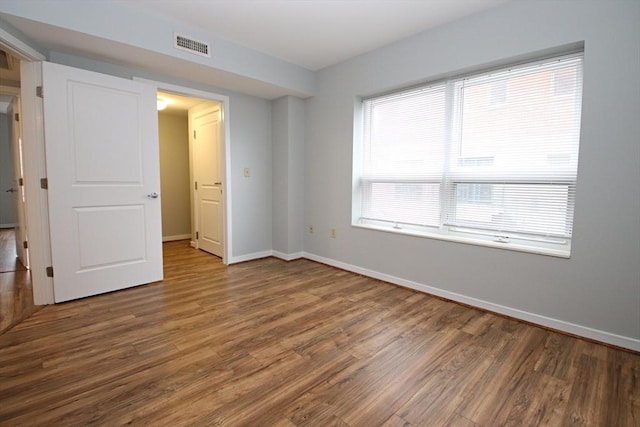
(208, 175)
(110, 236)
(102, 167)
(210, 235)
(100, 141)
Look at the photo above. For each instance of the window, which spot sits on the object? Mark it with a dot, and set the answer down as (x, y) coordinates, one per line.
(498, 92)
(564, 81)
(442, 161)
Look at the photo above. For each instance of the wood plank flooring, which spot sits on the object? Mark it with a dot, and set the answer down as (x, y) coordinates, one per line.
(270, 343)
(16, 293)
(8, 258)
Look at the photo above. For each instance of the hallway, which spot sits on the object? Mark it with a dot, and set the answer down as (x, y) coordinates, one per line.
(16, 294)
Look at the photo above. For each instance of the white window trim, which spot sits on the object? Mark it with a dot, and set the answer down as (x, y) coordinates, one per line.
(552, 246)
(472, 238)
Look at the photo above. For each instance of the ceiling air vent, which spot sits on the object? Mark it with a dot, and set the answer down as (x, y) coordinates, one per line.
(190, 45)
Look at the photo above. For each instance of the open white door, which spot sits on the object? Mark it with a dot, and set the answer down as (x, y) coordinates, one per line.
(208, 179)
(103, 170)
(18, 183)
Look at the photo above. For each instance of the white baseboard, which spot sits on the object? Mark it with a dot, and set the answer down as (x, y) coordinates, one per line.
(177, 237)
(264, 254)
(250, 257)
(571, 328)
(287, 257)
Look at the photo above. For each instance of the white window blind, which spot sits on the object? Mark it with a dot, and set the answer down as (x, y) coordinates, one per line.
(491, 154)
(405, 136)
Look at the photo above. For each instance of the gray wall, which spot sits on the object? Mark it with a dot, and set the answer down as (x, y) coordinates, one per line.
(599, 287)
(173, 136)
(251, 147)
(7, 203)
(288, 176)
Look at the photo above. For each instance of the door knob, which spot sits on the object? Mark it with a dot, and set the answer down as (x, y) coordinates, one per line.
(153, 195)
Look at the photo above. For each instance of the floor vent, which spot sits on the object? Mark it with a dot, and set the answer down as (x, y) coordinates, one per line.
(190, 45)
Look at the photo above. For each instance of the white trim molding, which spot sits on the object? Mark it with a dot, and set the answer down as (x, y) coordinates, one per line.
(250, 257)
(288, 257)
(37, 205)
(20, 48)
(266, 254)
(547, 322)
(176, 237)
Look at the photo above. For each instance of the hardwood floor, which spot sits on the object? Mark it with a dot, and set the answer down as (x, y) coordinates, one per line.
(270, 343)
(16, 294)
(8, 258)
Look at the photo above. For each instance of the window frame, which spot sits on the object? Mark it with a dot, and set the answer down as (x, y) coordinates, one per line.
(558, 246)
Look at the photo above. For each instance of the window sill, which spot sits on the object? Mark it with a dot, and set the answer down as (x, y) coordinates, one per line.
(514, 244)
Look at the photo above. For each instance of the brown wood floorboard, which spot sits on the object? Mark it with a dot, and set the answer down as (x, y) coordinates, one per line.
(8, 257)
(16, 294)
(271, 343)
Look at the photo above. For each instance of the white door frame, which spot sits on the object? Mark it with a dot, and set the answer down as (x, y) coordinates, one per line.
(36, 206)
(19, 48)
(226, 150)
(21, 235)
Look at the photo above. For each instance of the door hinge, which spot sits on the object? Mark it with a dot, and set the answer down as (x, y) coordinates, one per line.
(39, 92)
(17, 117)
(197, 235)
(21, 182)
(44, 183)
(196, 185)
(194, 134)
(49, 271)
(25, 245)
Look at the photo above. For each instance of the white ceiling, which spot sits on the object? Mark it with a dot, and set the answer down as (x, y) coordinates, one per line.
(309, 33)
(314, 33)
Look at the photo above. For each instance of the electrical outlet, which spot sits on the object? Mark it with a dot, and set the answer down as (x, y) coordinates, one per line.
(311, 229)
(333, 233)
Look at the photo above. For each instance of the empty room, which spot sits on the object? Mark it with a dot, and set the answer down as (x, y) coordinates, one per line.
(320, 212)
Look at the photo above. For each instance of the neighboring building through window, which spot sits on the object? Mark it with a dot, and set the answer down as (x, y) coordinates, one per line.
(486, 158)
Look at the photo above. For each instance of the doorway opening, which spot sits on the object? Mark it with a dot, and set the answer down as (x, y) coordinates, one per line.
(192, 167)
(16, 290)
(12, 198)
